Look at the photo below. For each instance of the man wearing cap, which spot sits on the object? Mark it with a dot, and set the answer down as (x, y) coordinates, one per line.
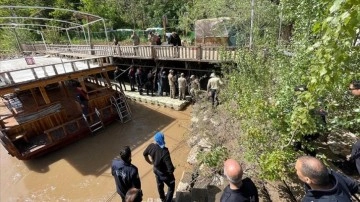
(213, 88)
(238, 190)
(194, 85)
(182, 86)
(162, 166)
(126, 174)
(172, 81)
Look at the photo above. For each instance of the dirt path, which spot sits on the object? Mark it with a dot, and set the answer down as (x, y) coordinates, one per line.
(82, 171)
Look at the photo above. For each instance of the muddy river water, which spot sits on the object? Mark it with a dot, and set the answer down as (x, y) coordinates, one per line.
(82, 170)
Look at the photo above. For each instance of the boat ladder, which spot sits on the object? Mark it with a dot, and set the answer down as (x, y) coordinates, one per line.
(122, 107)
(95, 125)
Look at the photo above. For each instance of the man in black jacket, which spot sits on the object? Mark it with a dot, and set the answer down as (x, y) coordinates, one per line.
(322, 184)
(238, 190)
(163, 167)
(126, 174)
(355, 151)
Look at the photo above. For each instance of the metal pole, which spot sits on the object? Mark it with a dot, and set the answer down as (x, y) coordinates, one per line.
(107, 39)
(67, 33)
(88, 29)
(85, 35)
(17, 40)
(280, 26)
(42, 36)
(251, 23)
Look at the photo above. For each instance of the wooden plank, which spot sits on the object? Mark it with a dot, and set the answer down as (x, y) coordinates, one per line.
(44, 95)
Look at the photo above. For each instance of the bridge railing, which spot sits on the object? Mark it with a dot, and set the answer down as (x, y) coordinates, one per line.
(35, 73)
(163, 52)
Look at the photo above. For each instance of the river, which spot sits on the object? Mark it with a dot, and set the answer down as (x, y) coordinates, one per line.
(82, 170)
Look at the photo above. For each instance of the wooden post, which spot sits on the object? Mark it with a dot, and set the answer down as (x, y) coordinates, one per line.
(64, 89)
(106, 76)
(33, 93)
(44, 95)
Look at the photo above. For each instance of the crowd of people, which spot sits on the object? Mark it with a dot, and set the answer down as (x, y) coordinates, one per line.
(153, 39)
(162, 83)
(321, 184)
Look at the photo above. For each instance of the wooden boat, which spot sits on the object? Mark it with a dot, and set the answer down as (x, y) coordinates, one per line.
(39, 111)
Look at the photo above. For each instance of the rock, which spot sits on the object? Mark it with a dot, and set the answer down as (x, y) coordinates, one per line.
(341, 143)
(193, 140)
(204, 143)
(192, 155)
(217, 180)
(185, 182)
(194, 119)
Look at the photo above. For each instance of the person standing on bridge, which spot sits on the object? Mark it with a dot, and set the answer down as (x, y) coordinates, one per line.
(126, 174)
(162, 166)
(135, 38)
(175, 39)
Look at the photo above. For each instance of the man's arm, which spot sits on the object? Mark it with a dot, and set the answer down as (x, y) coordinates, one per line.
(146, 155)
(208, 86)
(147, 159)
(136, 178)
(351, 184)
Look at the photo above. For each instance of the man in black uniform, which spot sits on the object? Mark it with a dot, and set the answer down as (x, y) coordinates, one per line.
(163, 167)
(126, 174)
(239, 190)
(119, 76)
(323, 184)
(355, 151)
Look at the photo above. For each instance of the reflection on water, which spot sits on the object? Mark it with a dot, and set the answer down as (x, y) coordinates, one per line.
(81, 171)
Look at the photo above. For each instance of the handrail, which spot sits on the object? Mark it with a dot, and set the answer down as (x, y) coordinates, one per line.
(162, 52)
(49, 70)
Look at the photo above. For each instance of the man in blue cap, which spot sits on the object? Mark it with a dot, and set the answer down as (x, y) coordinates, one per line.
(162, 165)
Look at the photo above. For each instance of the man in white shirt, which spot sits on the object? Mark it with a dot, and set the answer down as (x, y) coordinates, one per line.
(213, 87)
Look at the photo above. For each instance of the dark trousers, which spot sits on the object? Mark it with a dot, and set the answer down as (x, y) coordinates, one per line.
(121, 82)
(149, 88)
(214, 97)
(140, 88)
(132, 83)
(85, 107)
(169, 180)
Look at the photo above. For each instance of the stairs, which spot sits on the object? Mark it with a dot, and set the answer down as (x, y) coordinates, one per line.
(94, 121)
(121, 106)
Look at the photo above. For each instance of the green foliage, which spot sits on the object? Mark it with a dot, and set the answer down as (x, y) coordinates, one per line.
(214, 158)
(274, 163)
(261, 85)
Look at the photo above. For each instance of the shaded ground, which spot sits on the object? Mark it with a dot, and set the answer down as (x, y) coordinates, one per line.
(81, 171)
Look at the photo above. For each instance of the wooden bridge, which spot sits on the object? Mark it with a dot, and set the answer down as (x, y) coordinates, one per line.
(212, 54)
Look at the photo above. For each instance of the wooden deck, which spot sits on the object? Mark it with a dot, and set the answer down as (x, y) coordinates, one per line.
(162, 52)
(44, 75)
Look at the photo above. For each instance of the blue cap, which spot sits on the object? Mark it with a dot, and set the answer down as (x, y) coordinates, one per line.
(159, 139)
